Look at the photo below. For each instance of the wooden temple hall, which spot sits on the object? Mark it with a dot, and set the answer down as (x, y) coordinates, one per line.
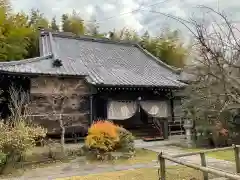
(118, 81)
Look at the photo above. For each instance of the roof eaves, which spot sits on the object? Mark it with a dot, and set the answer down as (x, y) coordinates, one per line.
(39, 73)
(25, 61)
(137, 86)
(175, 70)
(90, 80)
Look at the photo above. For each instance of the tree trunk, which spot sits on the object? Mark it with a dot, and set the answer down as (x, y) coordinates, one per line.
(62, 133)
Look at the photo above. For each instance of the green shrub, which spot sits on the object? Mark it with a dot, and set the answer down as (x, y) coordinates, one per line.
(220, 140)
(200, 130)
(3, 158)
(126, 140)
(203, 136)
(16, 139)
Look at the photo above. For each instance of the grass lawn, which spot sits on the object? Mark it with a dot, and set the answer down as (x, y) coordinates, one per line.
(141, 156)
(173, 173)
(38, 158)
(227, 155)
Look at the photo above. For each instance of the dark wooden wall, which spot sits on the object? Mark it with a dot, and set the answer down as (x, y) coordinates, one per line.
(75, 109)
(40, 89)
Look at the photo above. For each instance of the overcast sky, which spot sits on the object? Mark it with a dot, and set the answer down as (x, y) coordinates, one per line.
(116, 14)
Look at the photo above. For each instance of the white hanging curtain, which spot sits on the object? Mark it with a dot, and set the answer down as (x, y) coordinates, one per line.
(121, 110)
(155, 108)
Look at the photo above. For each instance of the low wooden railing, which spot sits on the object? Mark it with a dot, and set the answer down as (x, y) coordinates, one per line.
(203, 167)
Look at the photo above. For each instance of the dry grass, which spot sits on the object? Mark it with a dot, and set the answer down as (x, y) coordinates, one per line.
(42, 154)
(141, 156)
(227, 155)
(39, 157)
(173, 173)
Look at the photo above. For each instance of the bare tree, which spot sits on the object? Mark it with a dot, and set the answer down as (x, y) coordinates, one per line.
(214, 88)
(59, 99)
(216, 82)
(19, 104)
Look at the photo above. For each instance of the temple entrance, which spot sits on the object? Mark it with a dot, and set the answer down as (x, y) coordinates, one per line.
(140, 118)
(144, 119)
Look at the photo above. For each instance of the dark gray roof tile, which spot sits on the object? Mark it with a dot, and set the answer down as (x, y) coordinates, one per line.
(104, 62)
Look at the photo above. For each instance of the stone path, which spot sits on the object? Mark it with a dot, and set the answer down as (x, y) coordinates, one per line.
(74, 170)
(78, 167)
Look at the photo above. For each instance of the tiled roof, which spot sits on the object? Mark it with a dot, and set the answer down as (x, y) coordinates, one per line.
(102, 61)
(40, 65)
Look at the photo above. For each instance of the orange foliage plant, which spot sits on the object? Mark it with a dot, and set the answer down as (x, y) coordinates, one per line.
(102, 135)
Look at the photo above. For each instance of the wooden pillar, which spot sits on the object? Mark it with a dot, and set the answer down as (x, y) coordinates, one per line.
(91, 110)
(237, 161)
(165, 128)
(105, 108)
(162, 167)
(204, 164)
(172, 110)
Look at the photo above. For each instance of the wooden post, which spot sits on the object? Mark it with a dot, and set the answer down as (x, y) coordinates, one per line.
(232, 176)
(165, 128)
(204, 164)
(162, 167)
(236, 152)
(91, 110)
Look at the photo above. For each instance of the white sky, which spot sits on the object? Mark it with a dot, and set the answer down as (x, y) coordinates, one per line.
(139, 20)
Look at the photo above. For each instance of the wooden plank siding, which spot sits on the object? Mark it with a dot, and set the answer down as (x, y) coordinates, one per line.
(76, 108)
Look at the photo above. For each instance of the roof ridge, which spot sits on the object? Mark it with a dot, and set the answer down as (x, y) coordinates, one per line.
(24, 61)
(89, 38)
(52, 46)
(157, 60)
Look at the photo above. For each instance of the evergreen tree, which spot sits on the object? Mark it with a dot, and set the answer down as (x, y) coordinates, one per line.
(36, 21)
(73, 23)
(65, 23)
(14, 33)
(54, 25)
(167, 47)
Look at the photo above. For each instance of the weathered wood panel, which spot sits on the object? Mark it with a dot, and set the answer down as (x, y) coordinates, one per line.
(75, 109)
